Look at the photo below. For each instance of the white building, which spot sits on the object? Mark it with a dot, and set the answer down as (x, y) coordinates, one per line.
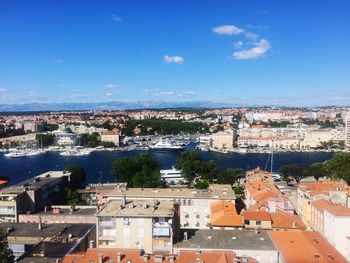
(347, 130)
(64, 138)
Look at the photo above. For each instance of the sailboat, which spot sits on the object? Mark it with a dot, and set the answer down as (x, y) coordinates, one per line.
(275, 176)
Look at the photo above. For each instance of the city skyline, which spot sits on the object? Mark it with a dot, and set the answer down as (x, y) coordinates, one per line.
(229, 52)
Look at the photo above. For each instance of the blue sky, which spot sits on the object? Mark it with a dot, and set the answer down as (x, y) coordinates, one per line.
(254, 52)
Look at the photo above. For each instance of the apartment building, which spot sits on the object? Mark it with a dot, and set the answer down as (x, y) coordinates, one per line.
(137, 224)
(347, 130)
(224, 139)
(32, 195)
(195, 204)
(269, 142)
(333, 191)
(333, 222)
(110, 136)
(64, 137)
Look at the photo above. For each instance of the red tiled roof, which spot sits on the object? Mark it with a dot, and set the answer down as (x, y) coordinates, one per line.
(224, 213)
(257, 215)
(285, 220)
(306, 247)
(134, 256)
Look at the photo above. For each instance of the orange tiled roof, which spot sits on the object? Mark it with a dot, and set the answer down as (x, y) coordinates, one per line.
(257, 215)
(261, 190)
(285, 220)
(323, 186)
(336, 210)
(224, 213)
(306, 247)
(114, 132)
(134, 256)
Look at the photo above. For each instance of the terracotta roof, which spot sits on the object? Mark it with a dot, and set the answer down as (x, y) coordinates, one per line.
(134, 256)
(306, 247)
(285, 220)
(261, 190)
(111, 132)
(224, 213)
(323, 186)
(257, 215)
(336, 210)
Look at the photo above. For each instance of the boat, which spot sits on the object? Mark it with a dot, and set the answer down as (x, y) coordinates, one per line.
(165, 145)
(76, 152)
(172, 176)
(23, 153)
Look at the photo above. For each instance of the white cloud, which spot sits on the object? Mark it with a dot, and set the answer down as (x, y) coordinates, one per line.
(111, 86)
(251, 36)
(238, 44)
(2, 89)
(116, 18)
(227, 30)
(108, 94)
(259, 50)
(174, 59)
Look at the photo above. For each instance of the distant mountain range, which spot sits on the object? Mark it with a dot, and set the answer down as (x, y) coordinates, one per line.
(111, 105)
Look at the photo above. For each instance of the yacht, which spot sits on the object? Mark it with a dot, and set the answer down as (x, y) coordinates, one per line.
(164, 145)
(23, 153)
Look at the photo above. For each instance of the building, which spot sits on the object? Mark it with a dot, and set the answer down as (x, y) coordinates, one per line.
(269, 142)
(333, 222)
(257, 220)
(224, 215)
(136, 256)
(64, 137)
(60, 214)
(224, 139)
(138, 224)
(47, 241)
(32, 195)
(244, 243)
(304, 246)
(347, 130)
(333, 191)
(111, 136)
(195, 204)
(33, 126)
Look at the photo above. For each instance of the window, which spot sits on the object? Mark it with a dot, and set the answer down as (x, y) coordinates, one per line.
(246, 222)
(258, 223)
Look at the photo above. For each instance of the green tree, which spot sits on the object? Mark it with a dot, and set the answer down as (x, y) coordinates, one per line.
(93, 140)
(231, 176)
(125, 168)
(297, 172)
(339, 167)
(147, 178)
(316, 170)
(44, 140)
(108, 144)
(6, 254)
(202, 184)
(78, 175)
(72, 197)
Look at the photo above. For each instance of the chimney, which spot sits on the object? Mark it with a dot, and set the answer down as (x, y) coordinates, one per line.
(145, 257)
(198, 251)
(100, 258)
(39, 225)
(91, 244)
(123, 200)
(171, 259)
(119, 257)
(185, 236)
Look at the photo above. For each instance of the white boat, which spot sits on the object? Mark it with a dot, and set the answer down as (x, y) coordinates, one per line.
(76, 152)
(23, 153)
(165, 145)
(172, 176)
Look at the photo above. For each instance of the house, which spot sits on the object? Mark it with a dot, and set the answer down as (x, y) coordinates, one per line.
(224, 215)
(304, 246)
(257, 219)
(111, 136)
